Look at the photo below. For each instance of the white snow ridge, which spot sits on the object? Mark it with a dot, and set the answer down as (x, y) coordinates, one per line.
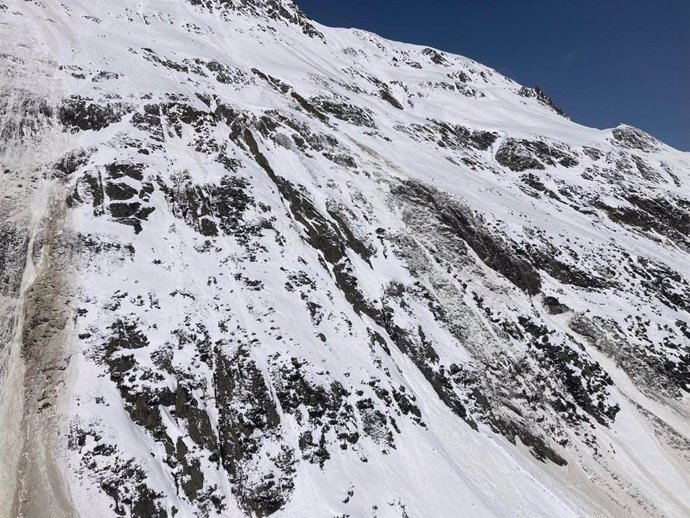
(255, 266)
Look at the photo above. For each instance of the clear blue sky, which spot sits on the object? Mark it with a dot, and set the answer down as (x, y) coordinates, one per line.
(602, 61)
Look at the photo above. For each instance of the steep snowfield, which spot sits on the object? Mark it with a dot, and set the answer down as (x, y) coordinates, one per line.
(256, 266)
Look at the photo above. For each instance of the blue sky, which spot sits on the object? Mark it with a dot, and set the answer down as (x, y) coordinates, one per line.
(603, 61)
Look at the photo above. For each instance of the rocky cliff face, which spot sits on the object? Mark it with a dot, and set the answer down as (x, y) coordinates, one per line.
(254, 266)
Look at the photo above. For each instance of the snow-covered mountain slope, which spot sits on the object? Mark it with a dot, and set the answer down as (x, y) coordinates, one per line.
(254, 266)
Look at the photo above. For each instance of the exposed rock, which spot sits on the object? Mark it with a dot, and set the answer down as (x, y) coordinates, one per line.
(633, 138)
(541, 96)
(521, 155)
(553, 306)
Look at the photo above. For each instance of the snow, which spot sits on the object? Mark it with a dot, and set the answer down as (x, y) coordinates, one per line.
(177, 280)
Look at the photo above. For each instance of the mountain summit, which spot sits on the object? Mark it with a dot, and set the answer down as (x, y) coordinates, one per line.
(255, 266)
(272, 10)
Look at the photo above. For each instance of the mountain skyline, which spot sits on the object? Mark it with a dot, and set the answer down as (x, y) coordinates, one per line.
(605, 63)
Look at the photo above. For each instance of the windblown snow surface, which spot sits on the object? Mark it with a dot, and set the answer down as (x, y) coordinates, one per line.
(255, 266)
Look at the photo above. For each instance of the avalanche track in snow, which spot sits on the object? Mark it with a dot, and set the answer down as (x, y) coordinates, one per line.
(255, 266)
